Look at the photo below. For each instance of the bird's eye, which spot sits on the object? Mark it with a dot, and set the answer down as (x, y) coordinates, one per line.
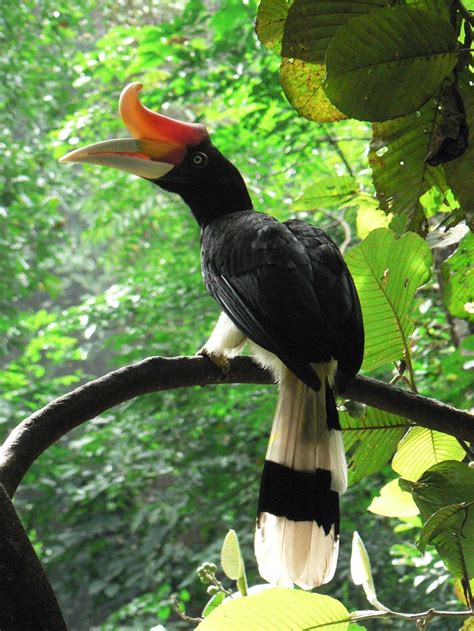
(199, 159)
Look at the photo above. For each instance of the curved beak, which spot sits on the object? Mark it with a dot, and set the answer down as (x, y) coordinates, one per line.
(151, 159)
(159, 144)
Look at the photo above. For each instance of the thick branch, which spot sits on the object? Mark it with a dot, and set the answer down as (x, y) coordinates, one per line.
(40, 430)
(27, 600)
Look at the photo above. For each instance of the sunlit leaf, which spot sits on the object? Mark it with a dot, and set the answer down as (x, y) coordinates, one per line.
(393, 502)
(421, 448)
(361, 570)
(302, 84)
(387, 272)
(458, 274)
(370, 217)
(373, 439)
(374, 75)
(231, 557)
(278, 609)
(270, 22)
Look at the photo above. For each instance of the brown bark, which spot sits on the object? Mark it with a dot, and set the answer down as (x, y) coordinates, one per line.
(27, 601)
(29, 439)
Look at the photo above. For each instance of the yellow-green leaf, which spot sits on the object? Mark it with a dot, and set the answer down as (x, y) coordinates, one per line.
(393, 502)
(360, 568)
(302, 83)
(372, 439)
(422, 448)
(278, 609)
(231, 557)
(387, 272)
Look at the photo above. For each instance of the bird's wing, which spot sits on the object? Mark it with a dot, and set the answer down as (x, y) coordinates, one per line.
(261, 274)
(335, 289)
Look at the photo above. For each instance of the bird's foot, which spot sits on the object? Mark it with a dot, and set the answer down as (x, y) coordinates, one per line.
(218, 359)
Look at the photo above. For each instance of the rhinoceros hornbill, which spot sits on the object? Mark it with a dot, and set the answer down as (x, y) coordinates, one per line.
(285, 290)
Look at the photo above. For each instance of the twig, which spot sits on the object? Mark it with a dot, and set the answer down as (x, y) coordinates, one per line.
(345, 228)
(40, 430)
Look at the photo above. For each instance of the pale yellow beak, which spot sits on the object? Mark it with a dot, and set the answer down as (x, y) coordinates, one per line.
(150, 159)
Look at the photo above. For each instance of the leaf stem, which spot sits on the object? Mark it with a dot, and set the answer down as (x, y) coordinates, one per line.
(425, 616)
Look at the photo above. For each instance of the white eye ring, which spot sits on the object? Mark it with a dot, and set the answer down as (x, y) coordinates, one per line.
(200, 159)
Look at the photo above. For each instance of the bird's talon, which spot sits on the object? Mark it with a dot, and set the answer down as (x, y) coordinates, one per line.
(218, 359)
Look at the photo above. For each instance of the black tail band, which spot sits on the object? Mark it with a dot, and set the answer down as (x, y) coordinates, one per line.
(299, 495)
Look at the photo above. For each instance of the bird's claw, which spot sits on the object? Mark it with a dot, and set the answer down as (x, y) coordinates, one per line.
(218, 359)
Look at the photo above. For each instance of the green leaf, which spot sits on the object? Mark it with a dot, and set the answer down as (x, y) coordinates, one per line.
(389, 62)
(214, 602)
(302, 83)
(270, 22)
(327, 193)
(361, 571)
(278, 609)
(442, 486)
(421, 448)
(370, 217)
(438, 7)
(447, 519)
(373, 438)
(397, 156)
(231, 557)
(393, 501)
(387, 272)
(458, 276)
(311, 25)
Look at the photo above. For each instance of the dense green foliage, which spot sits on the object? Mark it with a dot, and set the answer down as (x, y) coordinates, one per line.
(99, 270)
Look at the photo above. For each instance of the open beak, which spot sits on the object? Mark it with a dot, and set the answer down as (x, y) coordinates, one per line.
(159, 144)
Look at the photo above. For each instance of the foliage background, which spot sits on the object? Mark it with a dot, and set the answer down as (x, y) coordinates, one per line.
(99, 270)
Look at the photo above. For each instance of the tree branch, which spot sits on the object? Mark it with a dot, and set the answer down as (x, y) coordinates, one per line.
(40, 430)
(27, 600)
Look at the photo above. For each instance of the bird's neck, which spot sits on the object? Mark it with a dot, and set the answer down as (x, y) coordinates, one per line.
(223, 198)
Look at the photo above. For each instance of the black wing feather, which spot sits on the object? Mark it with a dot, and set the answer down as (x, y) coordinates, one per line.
(284, 285)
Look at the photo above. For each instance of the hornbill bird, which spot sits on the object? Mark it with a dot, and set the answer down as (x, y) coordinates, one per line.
(284, 290)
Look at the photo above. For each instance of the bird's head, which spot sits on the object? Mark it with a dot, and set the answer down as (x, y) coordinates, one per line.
(177, 156)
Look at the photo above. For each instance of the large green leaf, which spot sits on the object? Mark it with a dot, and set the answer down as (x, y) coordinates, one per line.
(311, 25)
(373, 439)
(389, 62)
(393, 501)
(440, 7)
(422, 448)
(458, 274)
(440, 487)
(278, 609)
(302, 83)
(447, 519)
(387, 272)
(397, 157)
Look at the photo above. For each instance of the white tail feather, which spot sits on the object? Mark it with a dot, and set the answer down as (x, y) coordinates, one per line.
(300, 551)
(300, 437)
(297, 552)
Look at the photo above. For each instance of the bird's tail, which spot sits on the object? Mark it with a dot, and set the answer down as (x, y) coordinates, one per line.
(297, 537)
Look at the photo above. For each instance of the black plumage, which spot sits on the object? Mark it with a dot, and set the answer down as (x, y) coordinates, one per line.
(285, 288)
